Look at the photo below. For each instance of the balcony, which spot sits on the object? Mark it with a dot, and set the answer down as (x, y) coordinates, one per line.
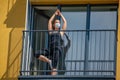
(90, 55)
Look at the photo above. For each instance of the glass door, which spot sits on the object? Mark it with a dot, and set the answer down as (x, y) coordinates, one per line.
(92, 32)
(41, 17)
(76, 20)
(102, 40)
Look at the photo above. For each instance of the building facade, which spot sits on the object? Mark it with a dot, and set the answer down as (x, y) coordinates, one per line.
(93, 28)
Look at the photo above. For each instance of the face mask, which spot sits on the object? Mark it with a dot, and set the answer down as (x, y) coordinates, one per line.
(57, 25)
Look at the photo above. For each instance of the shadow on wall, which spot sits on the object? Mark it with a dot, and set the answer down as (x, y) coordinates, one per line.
(14, 55)
(16, 21)
(16, 15)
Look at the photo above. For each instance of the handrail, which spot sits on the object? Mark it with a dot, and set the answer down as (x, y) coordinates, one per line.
(69, 30)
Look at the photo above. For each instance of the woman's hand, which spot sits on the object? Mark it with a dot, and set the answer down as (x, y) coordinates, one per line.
(57, 12)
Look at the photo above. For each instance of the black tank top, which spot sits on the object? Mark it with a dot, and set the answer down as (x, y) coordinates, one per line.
(55, 40)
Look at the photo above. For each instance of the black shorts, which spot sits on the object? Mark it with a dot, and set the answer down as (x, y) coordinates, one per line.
(53, 54)
(44, 52)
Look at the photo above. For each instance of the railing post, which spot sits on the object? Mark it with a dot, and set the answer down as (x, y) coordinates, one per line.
(115, 51)
(22, 53)
(23, 57)
(87, 40)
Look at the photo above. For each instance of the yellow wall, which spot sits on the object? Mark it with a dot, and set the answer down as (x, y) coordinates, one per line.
(12, 22)
(118, 46)
(42, 2)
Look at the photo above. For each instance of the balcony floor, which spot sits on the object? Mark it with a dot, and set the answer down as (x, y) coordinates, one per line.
(63, 77)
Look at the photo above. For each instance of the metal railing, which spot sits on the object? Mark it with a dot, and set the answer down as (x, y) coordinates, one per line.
(98, 60)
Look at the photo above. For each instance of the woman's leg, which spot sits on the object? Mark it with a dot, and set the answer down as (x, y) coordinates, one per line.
(55, 60)
(43, 58)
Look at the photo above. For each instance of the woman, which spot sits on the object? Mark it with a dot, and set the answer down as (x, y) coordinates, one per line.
(55, 39)
(55, 42)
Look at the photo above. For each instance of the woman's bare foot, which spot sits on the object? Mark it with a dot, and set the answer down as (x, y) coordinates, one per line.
(54, 72)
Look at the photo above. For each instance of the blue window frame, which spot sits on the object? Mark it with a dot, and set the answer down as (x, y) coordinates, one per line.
(96, 50)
